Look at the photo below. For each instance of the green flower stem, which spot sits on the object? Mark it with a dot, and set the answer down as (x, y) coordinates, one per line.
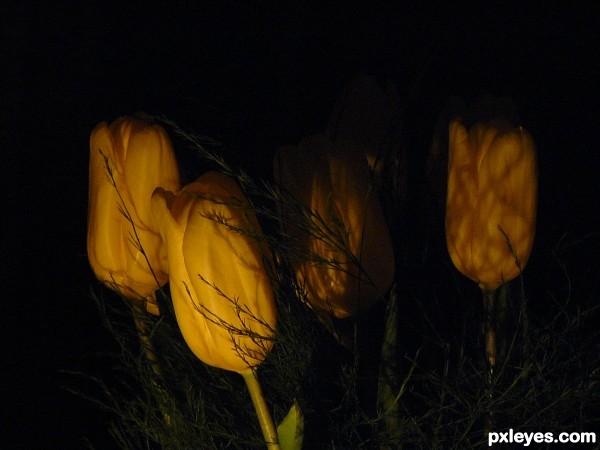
(262, 411)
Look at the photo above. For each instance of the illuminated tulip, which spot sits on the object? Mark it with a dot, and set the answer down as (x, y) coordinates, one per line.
(491, 201)
(221, 293)
(343, 257)
(128, 160)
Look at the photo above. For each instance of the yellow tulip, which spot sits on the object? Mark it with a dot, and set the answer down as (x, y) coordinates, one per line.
(344, 257)
(221, 293)
(491, 201)
(128, 160)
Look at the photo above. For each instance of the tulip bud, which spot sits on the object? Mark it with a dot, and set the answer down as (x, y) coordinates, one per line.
(221, 293)
(365, 115)
(343, 254)
(128, 160)
(491, 201)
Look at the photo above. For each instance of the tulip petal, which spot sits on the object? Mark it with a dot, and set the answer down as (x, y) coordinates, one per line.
(221, 293)
(491, 203)
(128, 159)
(345, 260)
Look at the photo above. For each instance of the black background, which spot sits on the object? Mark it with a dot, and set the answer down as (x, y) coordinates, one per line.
(258, 76)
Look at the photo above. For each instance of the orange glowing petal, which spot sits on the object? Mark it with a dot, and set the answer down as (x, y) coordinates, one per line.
(231, 261)
(505, 202)
(141, 158)
(334, 182)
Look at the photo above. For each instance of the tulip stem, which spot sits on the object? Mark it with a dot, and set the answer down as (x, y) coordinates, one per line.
(147, 346)
(489, 296)
(262, 411)
(139, 310)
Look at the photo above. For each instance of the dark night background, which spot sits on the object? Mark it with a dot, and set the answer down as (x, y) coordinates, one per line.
(258, 77)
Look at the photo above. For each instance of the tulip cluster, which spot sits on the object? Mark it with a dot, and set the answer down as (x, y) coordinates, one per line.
(145, 230)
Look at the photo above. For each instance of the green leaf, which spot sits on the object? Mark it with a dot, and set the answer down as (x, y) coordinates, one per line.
(291, 430)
